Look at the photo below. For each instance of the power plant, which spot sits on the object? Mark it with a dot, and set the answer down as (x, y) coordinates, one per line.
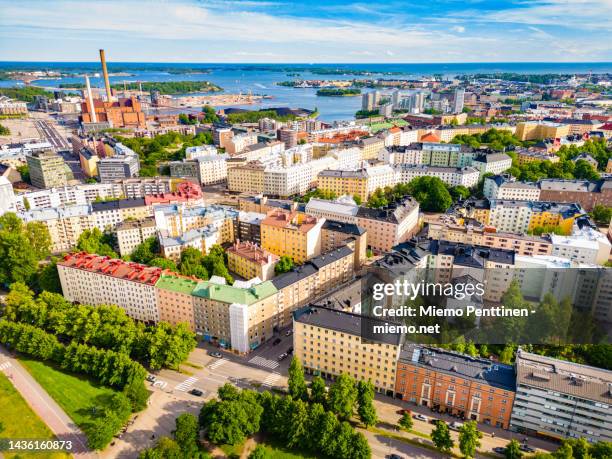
(109, 96)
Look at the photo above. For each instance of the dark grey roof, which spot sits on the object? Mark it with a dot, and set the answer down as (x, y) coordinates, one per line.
(291, 277)
(393, 213)
(470, 255)
(342, 227)
(329, 257)
(460, 365)
(120, 204)
(344, 322)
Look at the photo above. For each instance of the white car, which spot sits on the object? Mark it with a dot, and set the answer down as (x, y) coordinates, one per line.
(421, 417)
(455, 425)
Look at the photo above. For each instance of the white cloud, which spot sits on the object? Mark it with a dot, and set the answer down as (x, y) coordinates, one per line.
(459, 29)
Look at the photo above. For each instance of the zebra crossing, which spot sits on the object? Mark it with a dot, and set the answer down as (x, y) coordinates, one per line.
(185, 385)
(5, 366)
(260, 361)
(217, 364)
(271, 379)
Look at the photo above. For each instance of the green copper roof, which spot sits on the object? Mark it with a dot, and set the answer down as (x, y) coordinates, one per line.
(229, 294)
(176, 284)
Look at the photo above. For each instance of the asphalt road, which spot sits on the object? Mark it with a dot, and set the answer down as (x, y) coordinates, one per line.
(48, 131)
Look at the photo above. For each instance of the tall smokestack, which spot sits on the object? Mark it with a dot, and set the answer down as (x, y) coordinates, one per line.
(92, 112)
(109, 96)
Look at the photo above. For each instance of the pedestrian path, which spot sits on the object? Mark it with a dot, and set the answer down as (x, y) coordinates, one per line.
(260, 361)
(5, 365)
(217, 364)
(185, 385)
(271, 379)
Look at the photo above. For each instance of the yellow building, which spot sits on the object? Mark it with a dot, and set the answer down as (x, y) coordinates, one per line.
(246, 178)
(329, 342)
(293, 234)
(341, 182)
(248, 260)
(89, 162)
(528, 156)
(539, 130)
(370, 147)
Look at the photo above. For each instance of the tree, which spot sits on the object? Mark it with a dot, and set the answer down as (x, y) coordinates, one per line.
(431, 193)
(565, 451)
(365, 408)
(513, 450)
(602, 214)
(210, 116)
(342, 396)
(166, 448)
(469, 438)
(4, 130)
(441, 437)
(318, 391)
(93, 241)
(163, 263)
(146, 251)
(259, 452)
(585, 170)
(48, 277)
(284, 265)
(406, 421)
(297, 432)
(297, 383)
(186, 434)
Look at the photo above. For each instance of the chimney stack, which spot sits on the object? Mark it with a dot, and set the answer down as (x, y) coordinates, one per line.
(92, 109)
(109, 95)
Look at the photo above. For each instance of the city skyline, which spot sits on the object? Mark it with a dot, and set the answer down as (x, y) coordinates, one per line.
(320, 32)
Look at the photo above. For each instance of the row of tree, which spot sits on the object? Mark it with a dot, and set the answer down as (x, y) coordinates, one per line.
(105, 327)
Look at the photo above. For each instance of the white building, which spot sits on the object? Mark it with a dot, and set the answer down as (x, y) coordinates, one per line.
(199, 151)
(212, 169)
(380, 176)
(585, 246)
(342, 209)
(7, 196)
(348, 158)
(504, 187)
(453, 176)
(288, 181)
(493, 163)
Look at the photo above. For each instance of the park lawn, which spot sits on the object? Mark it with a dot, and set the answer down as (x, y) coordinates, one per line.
(75, 394)
(19, 421)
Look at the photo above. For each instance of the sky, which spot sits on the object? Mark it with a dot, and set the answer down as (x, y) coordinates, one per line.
(307, 31)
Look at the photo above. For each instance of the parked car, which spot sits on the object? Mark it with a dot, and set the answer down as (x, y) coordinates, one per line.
(216, 355)
(527, 448)
(276, 341)
(288, 332)
(404, 410)
(455, 425)
(395, 456)
(196, 392)
(283, 356)
(290, 350)
(421, 417)
(151, 378)
(499, 450)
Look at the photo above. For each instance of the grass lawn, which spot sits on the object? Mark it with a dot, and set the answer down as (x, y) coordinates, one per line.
(75, 394)
(232, 450)
(19, 421)
(279, 452)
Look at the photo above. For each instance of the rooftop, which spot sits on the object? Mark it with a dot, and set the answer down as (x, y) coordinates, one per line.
(112, 267)
(252, 252)
(290, 220)
(118, 204)
(176, 283)
(230, 295)
(393, 213)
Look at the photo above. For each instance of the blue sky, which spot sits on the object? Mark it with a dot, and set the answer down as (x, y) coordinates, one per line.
(307, 31)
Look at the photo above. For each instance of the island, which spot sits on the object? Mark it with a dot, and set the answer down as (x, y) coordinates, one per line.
(164, 87)
(338, 92)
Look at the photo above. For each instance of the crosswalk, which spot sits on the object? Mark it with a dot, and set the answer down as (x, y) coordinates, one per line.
(185, 385)
(271, 379)
(260, 361)
(217, 364)
(5, 366)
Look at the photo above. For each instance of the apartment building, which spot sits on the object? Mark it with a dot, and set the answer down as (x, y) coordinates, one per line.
(342, 209)
(293, 234)
(448, 133)
(453, 176)
(313, 279)
(521, 244)
(239, 142)
(249, 227)
(370, 146)
(525, 156)
(248, 260)
(525, 216)
(559, 399)
(123, 164)
(177, 219)
(507, 188)
(587, 194)
(246, 178)
(263, 204)
(240, 319)
(391, 225)
(200, 151)
(584, 245)
(47, 169)
(329, 342)
(492, 163)
(212, 169)
(473, 388)
(288, 181)
(222, 136)
(175, 300)
(130, 234)
(538, 130)
(361, 182)
(335, 234)
(96, 280)
(433, 154)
